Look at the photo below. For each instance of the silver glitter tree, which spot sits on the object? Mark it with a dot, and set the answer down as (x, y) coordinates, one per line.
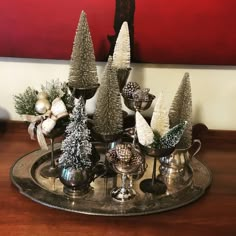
(181, 110)
(83, 71)
(108, 118)
(76, 147)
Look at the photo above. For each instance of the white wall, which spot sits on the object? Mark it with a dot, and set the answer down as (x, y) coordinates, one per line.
(213, 87)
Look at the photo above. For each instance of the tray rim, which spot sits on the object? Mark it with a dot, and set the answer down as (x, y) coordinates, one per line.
(57, 146)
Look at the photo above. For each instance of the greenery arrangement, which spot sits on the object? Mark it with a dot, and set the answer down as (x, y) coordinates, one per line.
(25, 102)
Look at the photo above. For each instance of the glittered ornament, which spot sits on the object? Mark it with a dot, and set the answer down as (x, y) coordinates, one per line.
(42, 105)
(129, 89)
(124, 152)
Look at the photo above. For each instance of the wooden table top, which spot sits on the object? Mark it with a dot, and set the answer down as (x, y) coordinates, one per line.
(213, 214)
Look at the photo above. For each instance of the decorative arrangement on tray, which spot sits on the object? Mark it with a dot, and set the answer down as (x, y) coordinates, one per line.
(167, 139)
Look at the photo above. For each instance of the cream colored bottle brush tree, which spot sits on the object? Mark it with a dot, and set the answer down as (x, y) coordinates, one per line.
(121, 55)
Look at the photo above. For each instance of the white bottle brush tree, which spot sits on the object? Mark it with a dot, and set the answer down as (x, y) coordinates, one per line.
(146, 135)
(121, 55)
(160, 118)
(108, 116)
(76, 147)
(83, 71)
(181, 110)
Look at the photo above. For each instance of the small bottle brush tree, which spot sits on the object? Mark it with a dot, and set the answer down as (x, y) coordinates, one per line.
(181, 110)
(160, 118)
(83, 71)
(121, 55)
(76, 147)
(108, 116)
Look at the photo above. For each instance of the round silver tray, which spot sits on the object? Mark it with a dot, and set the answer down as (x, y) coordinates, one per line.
(49, 191)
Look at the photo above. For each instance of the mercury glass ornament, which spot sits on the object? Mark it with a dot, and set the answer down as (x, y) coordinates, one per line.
(42, 104)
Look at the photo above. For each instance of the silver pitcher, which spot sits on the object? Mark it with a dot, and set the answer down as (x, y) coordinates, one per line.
(176, 170)
(77, 181)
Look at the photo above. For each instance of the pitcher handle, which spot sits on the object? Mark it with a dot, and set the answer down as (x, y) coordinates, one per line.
(195, 149)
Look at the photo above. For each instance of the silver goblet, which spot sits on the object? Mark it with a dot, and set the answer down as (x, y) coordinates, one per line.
(126, 162)
(51, 170)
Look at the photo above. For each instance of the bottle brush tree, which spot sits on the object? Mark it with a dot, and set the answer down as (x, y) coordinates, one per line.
(121, 55)
(181, 110)
(83, 71)
(108, 116)
(76, 147)
(160, 118)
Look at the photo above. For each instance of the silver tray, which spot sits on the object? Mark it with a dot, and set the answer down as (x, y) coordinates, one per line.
(49, 192)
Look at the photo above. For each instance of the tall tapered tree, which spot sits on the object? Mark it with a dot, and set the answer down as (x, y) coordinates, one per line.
(76, 147)
(83, 71)
(181, 111)
(121, 55)
(108, 118)
(160, 118)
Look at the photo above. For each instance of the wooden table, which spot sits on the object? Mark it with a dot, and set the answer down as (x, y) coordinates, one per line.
(213, 214)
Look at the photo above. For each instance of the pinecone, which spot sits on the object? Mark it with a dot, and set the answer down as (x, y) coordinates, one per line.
(124, 152)
(129, 89)
(141, 94)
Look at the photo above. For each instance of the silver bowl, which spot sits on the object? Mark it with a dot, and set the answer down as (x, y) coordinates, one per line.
(86, 93)
(139, 105)
(155, 152)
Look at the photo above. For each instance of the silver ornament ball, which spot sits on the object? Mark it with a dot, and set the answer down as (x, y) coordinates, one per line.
(42, 106)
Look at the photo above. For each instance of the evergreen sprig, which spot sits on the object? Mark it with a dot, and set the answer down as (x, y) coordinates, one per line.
(25, 102)
(55, 89)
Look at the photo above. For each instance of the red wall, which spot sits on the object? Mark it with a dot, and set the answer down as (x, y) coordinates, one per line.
(176, 31)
